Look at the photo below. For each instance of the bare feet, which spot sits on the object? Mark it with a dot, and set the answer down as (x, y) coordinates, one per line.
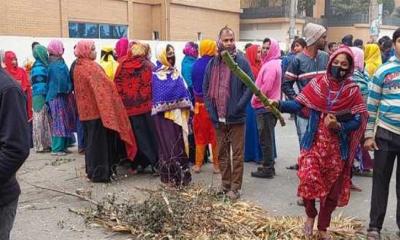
(324, 235)
(309, 227)
(196, 169)
(355, 188)
(217, 171)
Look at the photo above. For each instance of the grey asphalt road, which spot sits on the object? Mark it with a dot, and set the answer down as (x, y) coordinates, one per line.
(45, 215)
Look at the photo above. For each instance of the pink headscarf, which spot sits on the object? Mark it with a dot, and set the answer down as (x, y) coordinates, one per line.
(358, 58)
(274, 52)
(121, 48)
(55, 47)
(191, 49)
(83, 48)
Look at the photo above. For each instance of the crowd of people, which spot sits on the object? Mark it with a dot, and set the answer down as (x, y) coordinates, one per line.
(343, 98)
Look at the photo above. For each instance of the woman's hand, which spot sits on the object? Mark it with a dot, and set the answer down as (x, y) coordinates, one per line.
(331, 122)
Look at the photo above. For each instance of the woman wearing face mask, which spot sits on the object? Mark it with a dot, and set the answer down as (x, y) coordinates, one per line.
(102, 114)
(338, 117)
(171, 109)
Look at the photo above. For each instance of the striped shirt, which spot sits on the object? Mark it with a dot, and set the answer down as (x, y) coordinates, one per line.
(384, 98)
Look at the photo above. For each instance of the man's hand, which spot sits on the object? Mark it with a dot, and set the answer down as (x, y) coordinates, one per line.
(273, 103)
(370, 144)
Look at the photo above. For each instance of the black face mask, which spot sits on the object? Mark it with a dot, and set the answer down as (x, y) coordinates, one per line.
(171, 60)
(338, 72)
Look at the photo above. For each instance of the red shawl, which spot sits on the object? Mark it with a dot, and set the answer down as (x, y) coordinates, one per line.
(133, 80)
(21, 77)
(97, 97)
(315, 96)
(251, 55)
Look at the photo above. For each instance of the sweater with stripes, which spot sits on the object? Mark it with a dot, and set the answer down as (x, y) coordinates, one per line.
(384, 98)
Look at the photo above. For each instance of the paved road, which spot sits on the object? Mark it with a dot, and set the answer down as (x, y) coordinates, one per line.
(44, 215)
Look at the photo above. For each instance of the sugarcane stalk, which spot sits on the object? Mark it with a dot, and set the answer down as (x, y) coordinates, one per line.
(235, 69)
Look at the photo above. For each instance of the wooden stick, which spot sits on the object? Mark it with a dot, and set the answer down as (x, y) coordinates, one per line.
(234, 67)
(65, 193)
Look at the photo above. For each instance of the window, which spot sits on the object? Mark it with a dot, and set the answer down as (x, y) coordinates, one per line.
(199, 36)
(97, 30)
(156, 35)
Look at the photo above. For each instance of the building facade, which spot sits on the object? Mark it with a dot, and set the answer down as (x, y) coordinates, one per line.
(271, 18)
(138, 19)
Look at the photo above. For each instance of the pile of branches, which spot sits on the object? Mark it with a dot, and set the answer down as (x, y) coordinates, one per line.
(198, 213)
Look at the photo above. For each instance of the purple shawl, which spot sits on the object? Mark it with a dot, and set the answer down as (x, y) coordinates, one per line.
(169, 90)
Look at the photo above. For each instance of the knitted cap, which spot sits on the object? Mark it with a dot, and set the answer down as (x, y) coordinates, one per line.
(312, 32)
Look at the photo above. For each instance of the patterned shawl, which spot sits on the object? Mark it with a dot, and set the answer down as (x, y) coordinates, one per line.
(97, 97)
(169, 89)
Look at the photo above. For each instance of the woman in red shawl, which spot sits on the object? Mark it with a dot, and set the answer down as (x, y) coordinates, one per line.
(252, 149)
(133, 81)
(102, 114)
(20, 75)
(337, 120)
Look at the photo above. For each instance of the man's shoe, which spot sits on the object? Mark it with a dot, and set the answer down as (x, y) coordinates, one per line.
(373, 234)
(264, 173)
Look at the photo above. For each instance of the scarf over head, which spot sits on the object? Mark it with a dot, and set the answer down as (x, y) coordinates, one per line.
(108, 62)
(274, 52)
(97, 97)
(21, 77)
(315, 96)
(133, 81)
(251, 55)
(55, 48)
(207, 47)
(358, 58)
(169, 89)
(121, 48)
(372, 58)
(191, 49)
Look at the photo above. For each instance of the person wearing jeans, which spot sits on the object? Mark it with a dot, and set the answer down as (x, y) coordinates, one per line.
(384, 99)
(14, 148)
(269, 82)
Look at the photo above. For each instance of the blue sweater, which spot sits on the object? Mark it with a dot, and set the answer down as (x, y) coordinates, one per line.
(292, 106)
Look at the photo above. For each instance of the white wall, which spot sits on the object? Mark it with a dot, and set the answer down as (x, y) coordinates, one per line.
(22, 47)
